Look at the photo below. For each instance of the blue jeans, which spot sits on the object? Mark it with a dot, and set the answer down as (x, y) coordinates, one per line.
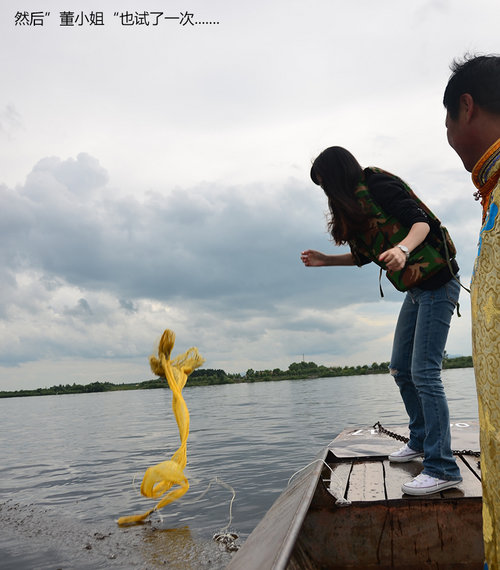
(417, 356)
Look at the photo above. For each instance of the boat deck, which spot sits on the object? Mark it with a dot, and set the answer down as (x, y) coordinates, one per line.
(362, 471)
(347, 510)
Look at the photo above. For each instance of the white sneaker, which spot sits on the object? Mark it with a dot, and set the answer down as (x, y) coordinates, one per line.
(426, 485)
(405, 454)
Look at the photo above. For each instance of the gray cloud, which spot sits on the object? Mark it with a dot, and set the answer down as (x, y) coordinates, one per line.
(77, 257)
(82, 309)
(197, 243)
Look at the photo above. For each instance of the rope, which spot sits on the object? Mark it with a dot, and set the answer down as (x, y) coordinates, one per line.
(223, 484)
(341, 501)
(225, 538)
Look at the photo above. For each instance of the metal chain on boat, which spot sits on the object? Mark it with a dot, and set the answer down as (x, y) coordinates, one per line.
(379, 427)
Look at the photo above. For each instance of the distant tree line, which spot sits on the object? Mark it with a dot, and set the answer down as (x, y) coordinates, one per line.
(457, 362)
(209, 377)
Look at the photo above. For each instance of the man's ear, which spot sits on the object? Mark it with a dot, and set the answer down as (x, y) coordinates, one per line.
(467, 106)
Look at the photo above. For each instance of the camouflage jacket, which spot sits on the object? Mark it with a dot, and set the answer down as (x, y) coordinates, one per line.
(385, 232)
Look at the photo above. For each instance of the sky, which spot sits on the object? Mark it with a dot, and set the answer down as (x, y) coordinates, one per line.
(157, 176)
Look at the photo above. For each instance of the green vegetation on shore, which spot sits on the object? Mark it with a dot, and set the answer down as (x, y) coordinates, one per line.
(208, 377)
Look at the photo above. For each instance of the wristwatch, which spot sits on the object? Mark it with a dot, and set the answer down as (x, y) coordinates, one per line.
(405, 250)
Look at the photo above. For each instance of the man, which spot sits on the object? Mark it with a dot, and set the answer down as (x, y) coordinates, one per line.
(472, 100)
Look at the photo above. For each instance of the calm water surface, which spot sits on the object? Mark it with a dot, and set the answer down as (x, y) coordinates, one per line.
(67, 464)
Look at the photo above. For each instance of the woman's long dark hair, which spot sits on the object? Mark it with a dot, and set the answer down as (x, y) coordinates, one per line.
(338, 173)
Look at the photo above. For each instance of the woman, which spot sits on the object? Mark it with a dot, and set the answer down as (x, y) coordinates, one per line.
(380, 218)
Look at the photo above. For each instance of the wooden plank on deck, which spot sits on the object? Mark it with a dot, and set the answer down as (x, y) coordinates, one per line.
(339, 478)
(378, 480)
(473, 463)
(366, 482)
(470, 486)
(398, 473)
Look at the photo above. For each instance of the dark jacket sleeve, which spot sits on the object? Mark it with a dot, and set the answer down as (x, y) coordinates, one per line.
(394, 199)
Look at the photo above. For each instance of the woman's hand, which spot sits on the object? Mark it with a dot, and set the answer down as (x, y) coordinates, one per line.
(394, 259)
(312, 258)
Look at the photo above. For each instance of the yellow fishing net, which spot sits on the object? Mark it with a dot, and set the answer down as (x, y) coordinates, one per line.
(158, 479)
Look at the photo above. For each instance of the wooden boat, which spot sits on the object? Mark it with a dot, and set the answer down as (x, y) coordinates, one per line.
(346, 510)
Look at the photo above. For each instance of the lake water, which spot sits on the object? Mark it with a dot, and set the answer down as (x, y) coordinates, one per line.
(67, 464)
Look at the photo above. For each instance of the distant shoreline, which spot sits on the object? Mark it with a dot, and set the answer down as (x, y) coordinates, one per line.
(211, 377)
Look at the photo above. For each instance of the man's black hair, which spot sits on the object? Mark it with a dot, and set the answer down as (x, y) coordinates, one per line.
(480, 77)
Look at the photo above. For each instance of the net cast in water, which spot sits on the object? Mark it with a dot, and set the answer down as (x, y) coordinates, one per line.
(159, 479)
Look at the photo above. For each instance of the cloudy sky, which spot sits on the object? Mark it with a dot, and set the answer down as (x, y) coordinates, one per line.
(156, 176)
